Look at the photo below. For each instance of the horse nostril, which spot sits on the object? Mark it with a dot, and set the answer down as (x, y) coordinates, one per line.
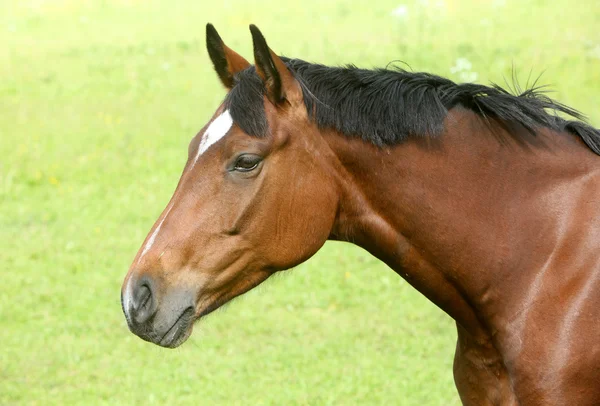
(144, 304)
(144, 298)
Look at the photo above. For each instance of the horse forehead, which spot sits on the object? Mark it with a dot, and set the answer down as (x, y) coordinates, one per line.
(216, 130)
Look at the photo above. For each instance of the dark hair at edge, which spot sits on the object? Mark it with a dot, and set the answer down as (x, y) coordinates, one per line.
(385, 106)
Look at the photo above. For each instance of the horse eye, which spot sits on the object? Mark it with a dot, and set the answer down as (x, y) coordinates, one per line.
(246, 163)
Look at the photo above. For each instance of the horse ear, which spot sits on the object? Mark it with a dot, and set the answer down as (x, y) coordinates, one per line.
(279, 82)
(226, 61)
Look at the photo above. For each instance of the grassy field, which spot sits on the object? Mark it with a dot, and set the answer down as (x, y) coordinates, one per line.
(98, 100)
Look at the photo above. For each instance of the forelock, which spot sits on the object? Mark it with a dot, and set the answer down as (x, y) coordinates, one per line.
(245, 102)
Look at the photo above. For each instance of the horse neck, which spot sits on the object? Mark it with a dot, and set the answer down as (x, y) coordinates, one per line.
(447, 213)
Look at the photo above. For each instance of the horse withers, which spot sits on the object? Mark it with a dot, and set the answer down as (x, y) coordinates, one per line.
(486, 202)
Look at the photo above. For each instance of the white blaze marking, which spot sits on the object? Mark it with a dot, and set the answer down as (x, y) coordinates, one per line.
(153, 236)
(215, 131)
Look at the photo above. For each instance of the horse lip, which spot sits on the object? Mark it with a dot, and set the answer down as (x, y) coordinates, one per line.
(176, 333)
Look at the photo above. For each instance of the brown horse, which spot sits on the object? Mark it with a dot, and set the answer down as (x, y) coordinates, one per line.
(482, 200)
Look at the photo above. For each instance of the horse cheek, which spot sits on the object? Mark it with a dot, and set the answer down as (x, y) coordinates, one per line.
(307, 226)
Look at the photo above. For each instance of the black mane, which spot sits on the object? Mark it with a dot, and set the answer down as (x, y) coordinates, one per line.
(385, 107)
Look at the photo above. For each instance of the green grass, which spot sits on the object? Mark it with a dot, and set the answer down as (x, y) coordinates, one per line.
(98, 100)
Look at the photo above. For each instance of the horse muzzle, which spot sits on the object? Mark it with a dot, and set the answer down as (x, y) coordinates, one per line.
(163, 319)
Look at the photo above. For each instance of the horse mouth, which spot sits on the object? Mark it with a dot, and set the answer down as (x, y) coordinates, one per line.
(179, 331)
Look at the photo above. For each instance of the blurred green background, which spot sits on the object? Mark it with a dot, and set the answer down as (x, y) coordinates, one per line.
(98, 101)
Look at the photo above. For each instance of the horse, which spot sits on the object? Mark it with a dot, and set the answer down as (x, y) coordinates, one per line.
(485, 201)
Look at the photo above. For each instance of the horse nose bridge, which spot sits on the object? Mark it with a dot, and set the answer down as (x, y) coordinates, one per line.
(172, 230)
